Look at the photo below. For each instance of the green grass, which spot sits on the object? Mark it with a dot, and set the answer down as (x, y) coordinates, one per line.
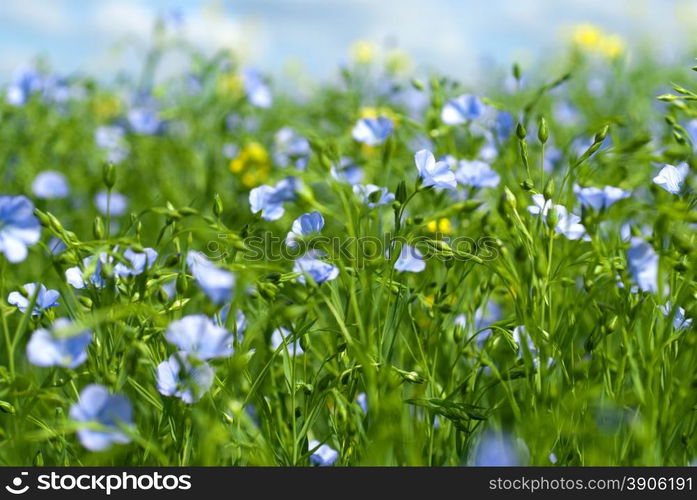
(620, 389)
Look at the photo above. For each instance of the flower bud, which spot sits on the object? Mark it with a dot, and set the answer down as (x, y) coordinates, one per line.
(98, 228)
(109, 175)
(543, 131)
(520, 131)
(217, 205)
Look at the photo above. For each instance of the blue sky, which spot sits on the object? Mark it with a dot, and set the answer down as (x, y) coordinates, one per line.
(449, 35)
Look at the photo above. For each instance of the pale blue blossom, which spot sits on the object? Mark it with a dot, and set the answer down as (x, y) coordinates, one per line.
(218, 284)
(318, 270)
(476, 173)
(324, 455)
(269, 200)
(112, 203)
(45, 299)
(258, 92)
(496, 450)
(49, 185)
(305, 225)
(568, 224)
(600, 198)
(199, 337)
(178, 377)
(19, 227)
(89, 274)
(372, 131)
(137, 262)
(643, 265)
(281, 336)
(410, 260)
(680, 321)
(58, 346)
(672, 178)
(291, 149)
(433, 173)
(372, 195)
(347, 171)
(462, 109)
(109, 412)
(112, 140)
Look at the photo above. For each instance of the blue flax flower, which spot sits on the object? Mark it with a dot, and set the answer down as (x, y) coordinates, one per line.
(347, 171)
(410, 260)
(324, 455)
(280, 337)
(373, 195)
(305, 225)
(643, 265)
(45, 299)
(477, 174)
(108, 411)
(291, 149)
(258, 92)
(318, 270)
(112, 203)
(680, 321)
(137, 262)
(372, 131)
(218, 284)
(90, 273)
(49, 184)
(198, 336)
(269, 199)
(496, 450)
(568, 224)
(672, 178)
(58, 346)
(600, 198)
(433, 173)
(462, 109)
(177, 376)
(19, 227)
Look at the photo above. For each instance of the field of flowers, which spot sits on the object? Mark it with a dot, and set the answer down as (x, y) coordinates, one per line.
(385, 270)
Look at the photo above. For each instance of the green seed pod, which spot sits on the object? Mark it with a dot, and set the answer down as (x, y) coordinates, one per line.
(552, 217)
(85, 301)
(98, 228)
(520, 131)
(527, 184)
(543, 131)
(417, 84)
(517, 73)
(600, 136)
(38, 459)
(509, 199)
(109, 175)
(549, 189)
(217, 205)
(182, 284)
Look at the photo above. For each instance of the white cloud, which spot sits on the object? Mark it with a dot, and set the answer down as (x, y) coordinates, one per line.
(46, 17)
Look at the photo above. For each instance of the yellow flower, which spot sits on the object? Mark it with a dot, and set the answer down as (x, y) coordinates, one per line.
(106, 107)
(440, 226)
(253, 163)
(363, 52)
(587, 36)
(592, 39)
(397, 61)
(612, 46)
(229, 83)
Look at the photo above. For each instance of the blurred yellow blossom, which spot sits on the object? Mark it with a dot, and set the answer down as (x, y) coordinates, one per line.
(106, 107)
(440, 226)
(229, 83)
(253, 163)
(363, 52)
(397, 61)
(592, 39)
